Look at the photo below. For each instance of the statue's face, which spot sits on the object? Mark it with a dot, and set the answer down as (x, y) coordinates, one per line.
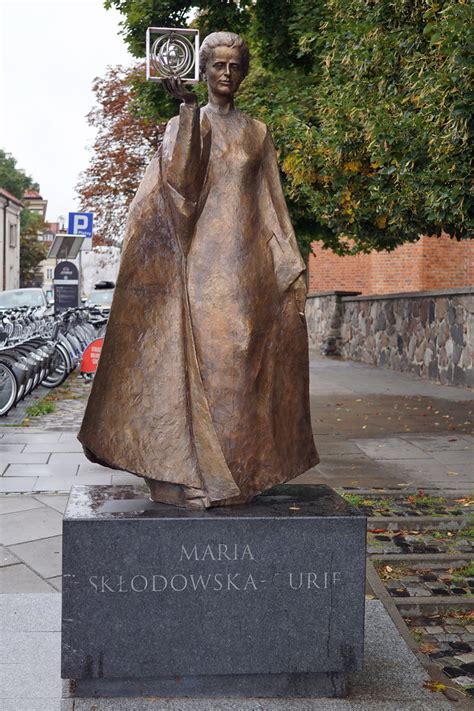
(224, 71)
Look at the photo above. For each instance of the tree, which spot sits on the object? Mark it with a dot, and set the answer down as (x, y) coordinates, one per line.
(124, 144)
(367, 102)
(32, 252)
(14, 179)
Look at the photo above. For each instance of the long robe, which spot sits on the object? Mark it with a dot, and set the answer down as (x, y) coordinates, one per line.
(203, 376)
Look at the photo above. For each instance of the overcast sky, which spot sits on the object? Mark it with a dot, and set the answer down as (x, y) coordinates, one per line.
(50, 52)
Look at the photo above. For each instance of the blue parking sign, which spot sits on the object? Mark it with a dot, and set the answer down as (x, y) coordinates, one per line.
(80, 223)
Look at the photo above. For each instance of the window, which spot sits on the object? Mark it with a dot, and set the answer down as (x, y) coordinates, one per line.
(13, 235)
(49, 273)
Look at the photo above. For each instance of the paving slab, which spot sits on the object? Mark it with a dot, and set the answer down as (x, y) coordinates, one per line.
(7, 558)
(11, 503)
(391, 681)
(448, 443)
(49, 469)
(57, 482)
(56, 582)
(91, 468)
(30, 525)
(30, 613)
(253, 705)
(24, 457)
(17, 484)
(458, 456)
(68, 437)
(390, 448)
(26, 436)
(9, 448)
(38, 705)
(70, 445)
(101, 476)
(20, 579)
(67, 458)
(336, 375)
(43, 556)
(119, 479)
(63, 483)
(55, 501)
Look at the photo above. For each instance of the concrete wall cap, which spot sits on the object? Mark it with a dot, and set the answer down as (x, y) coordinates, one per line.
(456, 291)
(317, 294)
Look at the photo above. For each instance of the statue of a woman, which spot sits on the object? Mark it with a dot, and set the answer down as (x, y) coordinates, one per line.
(202, 386)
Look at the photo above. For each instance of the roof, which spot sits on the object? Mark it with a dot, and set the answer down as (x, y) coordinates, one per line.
(32, 195)
(11, 197)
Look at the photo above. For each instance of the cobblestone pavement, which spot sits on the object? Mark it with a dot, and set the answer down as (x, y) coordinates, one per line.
(69, 407)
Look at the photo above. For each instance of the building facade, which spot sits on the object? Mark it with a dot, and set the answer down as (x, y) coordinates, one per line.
(10, 208)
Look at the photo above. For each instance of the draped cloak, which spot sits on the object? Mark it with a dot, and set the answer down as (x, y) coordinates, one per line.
(203, 376)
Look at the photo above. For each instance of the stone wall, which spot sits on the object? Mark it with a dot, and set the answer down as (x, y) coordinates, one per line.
(428, 333)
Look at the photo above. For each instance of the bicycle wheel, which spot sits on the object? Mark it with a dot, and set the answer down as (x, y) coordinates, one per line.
(8, 389)
(59, 368)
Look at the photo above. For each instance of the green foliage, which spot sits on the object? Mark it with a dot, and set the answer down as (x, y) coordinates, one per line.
(32, 254)
(42, 407)
(368, 102)
(13, 179)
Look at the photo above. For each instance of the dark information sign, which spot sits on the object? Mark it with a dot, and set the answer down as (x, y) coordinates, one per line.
(66, 286)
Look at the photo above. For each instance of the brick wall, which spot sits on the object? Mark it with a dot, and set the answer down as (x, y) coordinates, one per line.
(430, 263)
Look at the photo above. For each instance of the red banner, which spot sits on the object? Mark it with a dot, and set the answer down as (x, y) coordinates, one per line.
(91, 356)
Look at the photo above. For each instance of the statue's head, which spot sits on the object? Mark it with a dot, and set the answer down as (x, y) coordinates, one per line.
(223, 62)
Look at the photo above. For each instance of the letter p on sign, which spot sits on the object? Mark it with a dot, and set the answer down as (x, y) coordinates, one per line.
(80, 223)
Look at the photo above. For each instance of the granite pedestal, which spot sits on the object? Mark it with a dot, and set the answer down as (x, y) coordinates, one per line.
(265, 599)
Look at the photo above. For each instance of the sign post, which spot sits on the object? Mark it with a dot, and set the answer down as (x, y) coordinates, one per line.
(80, 223)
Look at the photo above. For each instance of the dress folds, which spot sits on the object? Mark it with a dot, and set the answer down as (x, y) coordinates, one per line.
(203, 376)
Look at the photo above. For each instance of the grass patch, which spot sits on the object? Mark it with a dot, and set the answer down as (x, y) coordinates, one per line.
(43, 407)
(466, 572)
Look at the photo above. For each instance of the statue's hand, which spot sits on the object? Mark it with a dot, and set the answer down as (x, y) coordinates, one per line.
(176, 88)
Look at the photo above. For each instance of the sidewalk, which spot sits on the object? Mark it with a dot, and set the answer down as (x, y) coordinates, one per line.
(373, 428)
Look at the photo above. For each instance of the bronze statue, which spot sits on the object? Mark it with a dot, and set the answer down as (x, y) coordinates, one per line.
(202, 385)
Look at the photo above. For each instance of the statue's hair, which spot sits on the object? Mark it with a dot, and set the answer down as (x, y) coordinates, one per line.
(223, 39)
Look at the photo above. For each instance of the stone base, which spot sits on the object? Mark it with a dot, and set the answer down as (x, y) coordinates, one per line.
(232, 685)
(263, 599)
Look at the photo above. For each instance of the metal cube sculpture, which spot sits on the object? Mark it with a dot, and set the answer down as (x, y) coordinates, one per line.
(172, 53)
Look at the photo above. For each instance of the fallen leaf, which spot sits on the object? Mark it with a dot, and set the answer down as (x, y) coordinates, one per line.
(364, 427)
(453, 474)
(435, 686)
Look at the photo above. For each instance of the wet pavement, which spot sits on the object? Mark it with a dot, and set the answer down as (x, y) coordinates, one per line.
(374, 429)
